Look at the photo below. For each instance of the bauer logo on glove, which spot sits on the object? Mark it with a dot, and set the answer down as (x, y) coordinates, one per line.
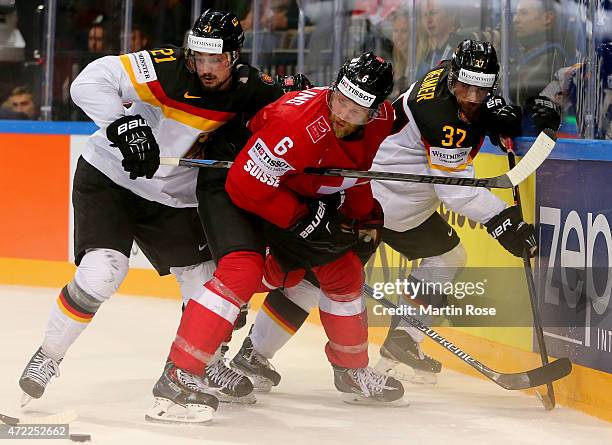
(134, 138)
(514, 234)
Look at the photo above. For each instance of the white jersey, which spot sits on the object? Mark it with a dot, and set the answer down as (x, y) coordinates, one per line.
(432, 141)
(159, 87)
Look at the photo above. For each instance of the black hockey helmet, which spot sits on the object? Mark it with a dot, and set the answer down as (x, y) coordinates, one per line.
(367, 80)
(474, 63)
(215, 32)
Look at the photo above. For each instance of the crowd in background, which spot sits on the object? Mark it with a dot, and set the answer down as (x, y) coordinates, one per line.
(548, 48)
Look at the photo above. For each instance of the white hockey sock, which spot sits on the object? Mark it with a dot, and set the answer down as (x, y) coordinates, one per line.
(66, 322)
(268, 335)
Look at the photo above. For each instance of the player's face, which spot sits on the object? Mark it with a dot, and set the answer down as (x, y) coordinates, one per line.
(214, 70)
(346, 116)
(470, 98)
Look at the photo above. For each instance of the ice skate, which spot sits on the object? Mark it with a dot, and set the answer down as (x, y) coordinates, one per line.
(36, 376)
(226, 384)
(366, 386)
(401, 357)
(255, 366)
(181, 397)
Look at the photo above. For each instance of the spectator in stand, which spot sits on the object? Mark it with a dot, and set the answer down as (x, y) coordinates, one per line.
(441, 23)
(96, 37)
(21, 103)
(402, 48)
(140, 38)
(283, 15)
(540, 55)
(443, 32)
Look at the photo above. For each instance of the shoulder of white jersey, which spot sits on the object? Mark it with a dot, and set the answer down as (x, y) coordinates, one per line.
(139, 67)
(402, 116)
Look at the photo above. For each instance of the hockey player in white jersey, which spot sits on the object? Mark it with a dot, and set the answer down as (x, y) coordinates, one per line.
(441, 122)
(178, 97)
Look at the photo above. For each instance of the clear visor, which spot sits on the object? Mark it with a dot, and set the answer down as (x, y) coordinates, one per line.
(469, 93)
(207, 61)
(347, 110)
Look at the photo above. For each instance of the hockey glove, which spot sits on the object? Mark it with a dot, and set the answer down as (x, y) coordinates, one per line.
(500, 119)
(133, 136)
(512, 232)
(544, 112)
(323, 228)
(298, 82)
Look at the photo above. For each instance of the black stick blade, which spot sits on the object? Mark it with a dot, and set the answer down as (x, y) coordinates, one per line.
(536, 377)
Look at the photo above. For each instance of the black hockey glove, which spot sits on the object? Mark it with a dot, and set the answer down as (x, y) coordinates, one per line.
(133, 136)
(544, 112)
(500, 119)
(512, 232)
(298, 82)
(325, 228)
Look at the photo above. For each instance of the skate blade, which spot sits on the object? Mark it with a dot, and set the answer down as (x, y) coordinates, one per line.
(358, 399)
(421, 377)
(166, 411)
(405, 373)
(260, 384)
(249, 399)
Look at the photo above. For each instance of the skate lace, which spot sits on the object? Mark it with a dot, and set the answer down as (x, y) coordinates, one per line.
(42, 368)
(190, 381)
(223, 375)
(369, 381)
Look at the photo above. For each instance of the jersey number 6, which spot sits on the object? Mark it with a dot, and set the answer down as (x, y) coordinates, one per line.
(283, 146)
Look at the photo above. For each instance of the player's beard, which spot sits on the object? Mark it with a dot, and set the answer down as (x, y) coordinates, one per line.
(211, 83)
(341, 128)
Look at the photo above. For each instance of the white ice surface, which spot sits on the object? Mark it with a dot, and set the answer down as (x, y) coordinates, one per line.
(108, 374)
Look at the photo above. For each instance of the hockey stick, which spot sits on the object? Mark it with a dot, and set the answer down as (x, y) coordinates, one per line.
(548, 399)
(52, 419)
(520, 380)
(538, 152)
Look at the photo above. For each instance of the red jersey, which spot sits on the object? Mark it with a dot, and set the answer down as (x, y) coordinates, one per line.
(290, 135)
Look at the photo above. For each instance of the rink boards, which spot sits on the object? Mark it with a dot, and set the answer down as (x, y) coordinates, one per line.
(38, 160)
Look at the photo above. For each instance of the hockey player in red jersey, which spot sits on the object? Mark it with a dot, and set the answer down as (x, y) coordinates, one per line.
(311, 222)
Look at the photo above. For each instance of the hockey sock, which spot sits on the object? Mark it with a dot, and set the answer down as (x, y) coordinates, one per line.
(70, 315)
(276, 322)
(209, 317)
(342, 311)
